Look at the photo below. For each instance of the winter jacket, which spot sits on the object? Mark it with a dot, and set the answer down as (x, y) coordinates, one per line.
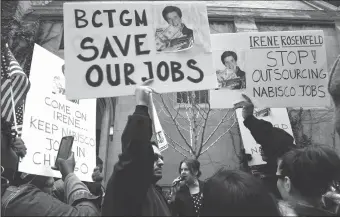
(28, 200)
(130, 190)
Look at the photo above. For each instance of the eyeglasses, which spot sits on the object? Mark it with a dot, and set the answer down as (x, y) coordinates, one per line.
(156, 157)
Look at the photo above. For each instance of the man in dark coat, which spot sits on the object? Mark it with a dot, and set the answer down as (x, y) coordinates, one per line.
(132, 190)
(274, 143)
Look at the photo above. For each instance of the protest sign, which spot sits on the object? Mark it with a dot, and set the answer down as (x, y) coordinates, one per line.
(228, 57)
(49, 116)
(282, 69)
(277, 116)
(159, 132)
(110, 47)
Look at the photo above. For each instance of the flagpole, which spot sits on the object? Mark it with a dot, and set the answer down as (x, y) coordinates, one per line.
(13, 107)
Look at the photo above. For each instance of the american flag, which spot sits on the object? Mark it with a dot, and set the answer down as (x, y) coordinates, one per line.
(12, 76)
(19, 112)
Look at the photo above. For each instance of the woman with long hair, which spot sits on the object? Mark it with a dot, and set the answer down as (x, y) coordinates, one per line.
(189, 197)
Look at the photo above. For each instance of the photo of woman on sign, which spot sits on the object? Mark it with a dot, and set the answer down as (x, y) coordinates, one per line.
(176, 36)
(58, 84)
(231, 77)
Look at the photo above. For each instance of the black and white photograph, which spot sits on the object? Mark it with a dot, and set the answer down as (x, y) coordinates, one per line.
(174, 29)
(170, 108)
(231, 76)
(176, 35)
(58, 83)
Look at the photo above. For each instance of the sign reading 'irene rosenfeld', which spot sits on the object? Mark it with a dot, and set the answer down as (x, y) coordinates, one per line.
(275, 69)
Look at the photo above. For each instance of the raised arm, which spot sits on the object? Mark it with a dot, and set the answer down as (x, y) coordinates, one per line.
(132, 175)
(273, 140)
(259, 129)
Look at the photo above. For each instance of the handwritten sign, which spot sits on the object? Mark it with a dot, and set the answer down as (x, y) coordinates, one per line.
(277, 116)
(281, 69)
(287, 69)
(110, 47)
(49, 116)
(159, 132)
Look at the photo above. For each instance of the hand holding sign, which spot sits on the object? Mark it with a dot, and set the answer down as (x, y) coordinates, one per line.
(143, 93)
(247, 106)
(144, 97)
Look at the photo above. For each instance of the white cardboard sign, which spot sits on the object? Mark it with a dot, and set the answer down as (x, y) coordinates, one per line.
(277, 116)
(49, 116)
(110, 47)
(281, 69)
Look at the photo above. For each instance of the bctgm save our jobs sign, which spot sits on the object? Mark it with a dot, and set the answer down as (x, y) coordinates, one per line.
(110, 47)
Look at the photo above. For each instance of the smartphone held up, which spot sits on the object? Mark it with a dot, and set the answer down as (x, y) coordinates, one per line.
(65, 150)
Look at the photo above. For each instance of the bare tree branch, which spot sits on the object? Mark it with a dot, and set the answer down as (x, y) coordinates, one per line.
(183, 128)
(218, 125)
(176, 124)
(188, 111)
(212, 144)
(176, 143)
(203, 130)
(179, 108)
(174, 147)
(190, 127)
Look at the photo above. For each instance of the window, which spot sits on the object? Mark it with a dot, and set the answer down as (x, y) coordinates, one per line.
(198, 97)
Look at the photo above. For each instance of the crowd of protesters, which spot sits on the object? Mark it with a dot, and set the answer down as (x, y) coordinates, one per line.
(294, 182)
